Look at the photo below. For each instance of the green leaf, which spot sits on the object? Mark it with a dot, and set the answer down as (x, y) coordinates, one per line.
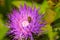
(3, 28)
(57, 10)
(18, 3)
(44, 6)
(49, 16)
(50, 32)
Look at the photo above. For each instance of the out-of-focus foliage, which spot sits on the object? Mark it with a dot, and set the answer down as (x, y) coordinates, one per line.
(2, 2)
(44, 6)
(50, 16)
(57, 9)
(3, 28)
(51, 9)
(49, 31)
(18, 3)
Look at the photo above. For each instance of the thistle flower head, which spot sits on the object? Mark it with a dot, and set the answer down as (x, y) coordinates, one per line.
(25, 22)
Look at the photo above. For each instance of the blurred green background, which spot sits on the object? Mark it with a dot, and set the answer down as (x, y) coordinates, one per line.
(51, 9)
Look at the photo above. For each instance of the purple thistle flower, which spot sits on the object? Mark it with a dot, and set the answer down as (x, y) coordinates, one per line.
(25, 22)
